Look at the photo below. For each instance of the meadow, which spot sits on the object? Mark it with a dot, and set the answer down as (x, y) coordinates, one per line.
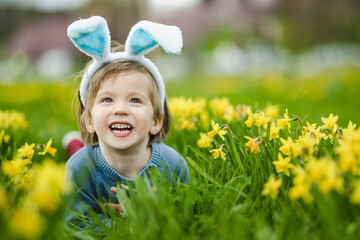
(271, 157)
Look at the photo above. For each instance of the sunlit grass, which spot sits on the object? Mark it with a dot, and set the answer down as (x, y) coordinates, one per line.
(285, 170)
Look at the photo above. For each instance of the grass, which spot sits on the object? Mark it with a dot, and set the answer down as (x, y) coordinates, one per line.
(224, 198)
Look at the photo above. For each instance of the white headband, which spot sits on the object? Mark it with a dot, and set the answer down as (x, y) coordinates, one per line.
(92, 37)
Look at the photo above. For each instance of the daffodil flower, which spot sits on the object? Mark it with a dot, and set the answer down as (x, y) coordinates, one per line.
(286, 147)
(310, 127)
(218, 152)
(330, 122)
(301, 188)
(4, 137)
(272, 110)
(274, 131)
(27, 151)
(204, 141)
(271, 187)
(48, 149)
(216, 131)
(253, 144)
(350, 130)
(284, 121)
(283, 165)
(219, 106)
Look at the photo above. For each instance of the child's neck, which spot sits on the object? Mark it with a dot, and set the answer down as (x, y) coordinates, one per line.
(127, 163)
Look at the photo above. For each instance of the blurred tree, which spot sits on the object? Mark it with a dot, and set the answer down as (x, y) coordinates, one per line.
(308, 22)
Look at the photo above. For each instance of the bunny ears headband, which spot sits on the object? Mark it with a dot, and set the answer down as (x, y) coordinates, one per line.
(92, 37)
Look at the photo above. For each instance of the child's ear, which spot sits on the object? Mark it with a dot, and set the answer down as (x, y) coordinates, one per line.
(87, 119)
(157, 124)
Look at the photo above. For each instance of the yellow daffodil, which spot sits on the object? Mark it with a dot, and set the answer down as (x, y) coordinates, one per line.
(187, 124)
(241, 110)
(262, 119)
(194, 107)
(204, 119)
(15, 167)
(204, 141)
(27, 222)
(259, 118)
(274, 131)
(284, 121)
(296, 149)
(12, 119)
(283, 165)
(334, 134)
(324, 172)
(250, 120)
(176, 106)
(350, 130)
(219, 106)
(301, 188)
(301, 191)
(316, 169)
(332, 181)
(286, 146)
(347, 155)
(307, 144)
(253, 144)
(6, 138)
(230, 114)
(309, 127)
(25, 181)
(48, 149)
(330, 122)
(315, 134)
(272, 186)
(272, 110)
(48, 186)
(27, 151)
(218, 152)
(216, 131)
(182, 108)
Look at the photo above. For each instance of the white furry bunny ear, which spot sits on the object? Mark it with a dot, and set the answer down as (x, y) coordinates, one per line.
(91, 36)
(145, 36)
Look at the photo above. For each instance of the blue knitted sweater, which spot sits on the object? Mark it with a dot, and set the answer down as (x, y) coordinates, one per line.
(92, 177)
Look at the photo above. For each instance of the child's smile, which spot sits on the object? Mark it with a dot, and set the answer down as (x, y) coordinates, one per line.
(121, 129)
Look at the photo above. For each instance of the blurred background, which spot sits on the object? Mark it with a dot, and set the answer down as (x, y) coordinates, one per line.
(303, 55)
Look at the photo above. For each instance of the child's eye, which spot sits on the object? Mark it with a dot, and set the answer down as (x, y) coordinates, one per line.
(135, 100)
(107, 100)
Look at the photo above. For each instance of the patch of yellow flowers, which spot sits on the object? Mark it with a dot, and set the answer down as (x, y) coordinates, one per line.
(35, 189)
(301, 159)
(12, 118)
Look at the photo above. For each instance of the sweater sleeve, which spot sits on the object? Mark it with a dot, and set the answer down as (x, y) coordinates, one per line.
(81, 200)
(175, 162)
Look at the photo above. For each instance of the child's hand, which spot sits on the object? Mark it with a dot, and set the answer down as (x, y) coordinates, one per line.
(115, 206)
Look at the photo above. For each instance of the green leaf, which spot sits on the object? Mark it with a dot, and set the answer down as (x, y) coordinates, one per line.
(201, 171)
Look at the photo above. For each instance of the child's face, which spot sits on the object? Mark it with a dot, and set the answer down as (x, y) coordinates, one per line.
(122, 115)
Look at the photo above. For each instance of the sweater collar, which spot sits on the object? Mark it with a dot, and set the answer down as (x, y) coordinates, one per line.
(117, 176)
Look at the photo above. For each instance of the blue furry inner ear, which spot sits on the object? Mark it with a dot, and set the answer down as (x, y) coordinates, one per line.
(140, 41)
(92, 43)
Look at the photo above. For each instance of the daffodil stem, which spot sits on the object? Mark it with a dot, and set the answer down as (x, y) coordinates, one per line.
(225, 126)
(300, 122)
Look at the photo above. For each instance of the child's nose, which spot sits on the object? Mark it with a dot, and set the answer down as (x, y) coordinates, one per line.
(121, 108)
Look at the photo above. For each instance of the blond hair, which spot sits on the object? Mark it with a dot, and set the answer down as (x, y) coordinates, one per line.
(104, 73)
